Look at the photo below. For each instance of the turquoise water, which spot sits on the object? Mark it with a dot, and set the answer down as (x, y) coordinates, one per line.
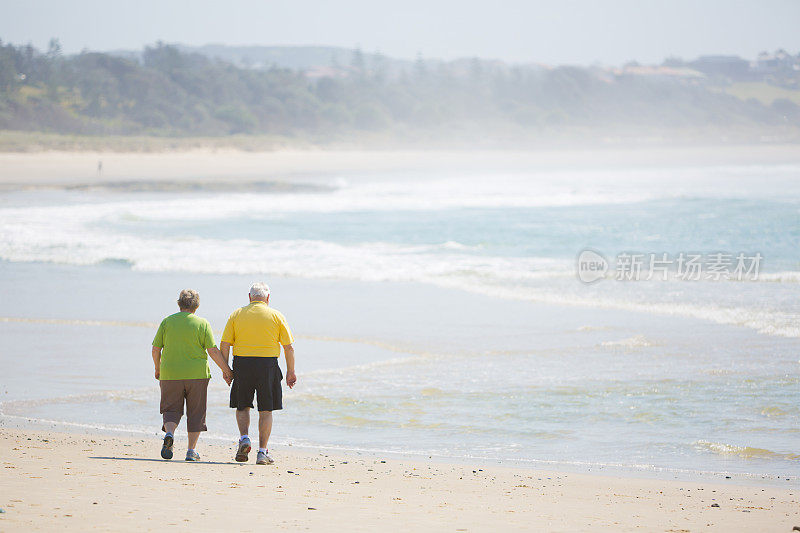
(463, 330)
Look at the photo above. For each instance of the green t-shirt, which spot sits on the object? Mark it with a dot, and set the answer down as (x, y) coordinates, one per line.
(184, 337)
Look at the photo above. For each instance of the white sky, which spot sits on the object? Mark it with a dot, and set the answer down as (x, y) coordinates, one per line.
(555, 32)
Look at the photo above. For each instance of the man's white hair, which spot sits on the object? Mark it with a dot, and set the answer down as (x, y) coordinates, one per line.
(259, 290)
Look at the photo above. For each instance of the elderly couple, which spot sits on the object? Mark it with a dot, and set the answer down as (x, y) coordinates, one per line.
(256, 332)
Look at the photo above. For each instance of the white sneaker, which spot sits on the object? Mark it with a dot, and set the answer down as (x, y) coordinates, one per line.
(263, 459)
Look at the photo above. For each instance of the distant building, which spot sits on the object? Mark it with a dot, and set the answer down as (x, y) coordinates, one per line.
(664, 72)
(732, 67)
(780, 60)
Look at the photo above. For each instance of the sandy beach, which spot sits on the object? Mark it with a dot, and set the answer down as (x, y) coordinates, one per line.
(64, 481)
(60, 169)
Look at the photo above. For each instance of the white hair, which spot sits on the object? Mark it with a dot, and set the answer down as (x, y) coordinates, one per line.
(259, 290)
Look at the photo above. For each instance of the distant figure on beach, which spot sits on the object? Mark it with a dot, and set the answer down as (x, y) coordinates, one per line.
(179, 354)
(257, 332)
(99, 167)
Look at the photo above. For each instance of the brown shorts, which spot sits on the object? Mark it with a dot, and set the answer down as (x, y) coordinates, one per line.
(195, 392)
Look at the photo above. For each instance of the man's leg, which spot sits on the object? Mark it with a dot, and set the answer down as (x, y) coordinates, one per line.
(243, 420)
(264, 428)
(170, 427)
(242, 391)
(193, 436)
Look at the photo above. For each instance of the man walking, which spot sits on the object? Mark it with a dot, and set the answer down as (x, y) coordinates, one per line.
(257, 332)
(179, 354)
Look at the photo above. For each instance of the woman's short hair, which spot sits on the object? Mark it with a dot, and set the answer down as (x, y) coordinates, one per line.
(189, 300)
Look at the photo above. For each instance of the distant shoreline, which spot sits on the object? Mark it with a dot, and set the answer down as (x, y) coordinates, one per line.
(297, 169)
(557, 139)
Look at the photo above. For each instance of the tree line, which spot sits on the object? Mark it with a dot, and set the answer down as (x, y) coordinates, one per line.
(173, 93)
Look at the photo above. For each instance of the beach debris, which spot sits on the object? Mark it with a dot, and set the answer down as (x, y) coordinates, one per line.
(796, 528)
(714, 505)
(2, 511)
(312, 508)
(289, 472)
(727, 477)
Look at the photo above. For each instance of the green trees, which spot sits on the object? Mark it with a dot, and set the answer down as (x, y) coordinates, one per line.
(169, 92)
(8, 71)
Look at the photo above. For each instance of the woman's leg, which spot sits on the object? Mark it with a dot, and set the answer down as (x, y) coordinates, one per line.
(171, 404)
(193, 436)
(196, 399)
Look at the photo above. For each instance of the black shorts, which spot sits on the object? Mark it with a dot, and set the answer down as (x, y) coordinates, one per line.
(257, 375)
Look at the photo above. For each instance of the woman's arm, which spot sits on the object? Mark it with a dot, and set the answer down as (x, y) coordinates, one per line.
(157, 360)
(222, 363)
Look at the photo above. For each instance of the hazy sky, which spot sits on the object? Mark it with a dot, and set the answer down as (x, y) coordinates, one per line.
(557, 31)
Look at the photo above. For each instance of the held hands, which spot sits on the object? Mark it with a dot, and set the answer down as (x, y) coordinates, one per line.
(227, 375)
(291, 378)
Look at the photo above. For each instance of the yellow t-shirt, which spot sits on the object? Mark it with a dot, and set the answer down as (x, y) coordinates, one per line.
(257, 330)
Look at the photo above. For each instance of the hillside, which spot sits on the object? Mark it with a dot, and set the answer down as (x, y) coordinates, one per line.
(170, 92)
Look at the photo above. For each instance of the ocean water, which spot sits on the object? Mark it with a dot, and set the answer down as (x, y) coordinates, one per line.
(463, 331)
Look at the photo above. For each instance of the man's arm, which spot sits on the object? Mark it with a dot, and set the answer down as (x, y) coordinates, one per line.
(288, 353)
(157, 360)
(225, 349)
(222, 363)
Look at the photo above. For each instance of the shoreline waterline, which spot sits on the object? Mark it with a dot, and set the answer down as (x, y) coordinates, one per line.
(620, 471)
(337, 351)
(64, 169)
